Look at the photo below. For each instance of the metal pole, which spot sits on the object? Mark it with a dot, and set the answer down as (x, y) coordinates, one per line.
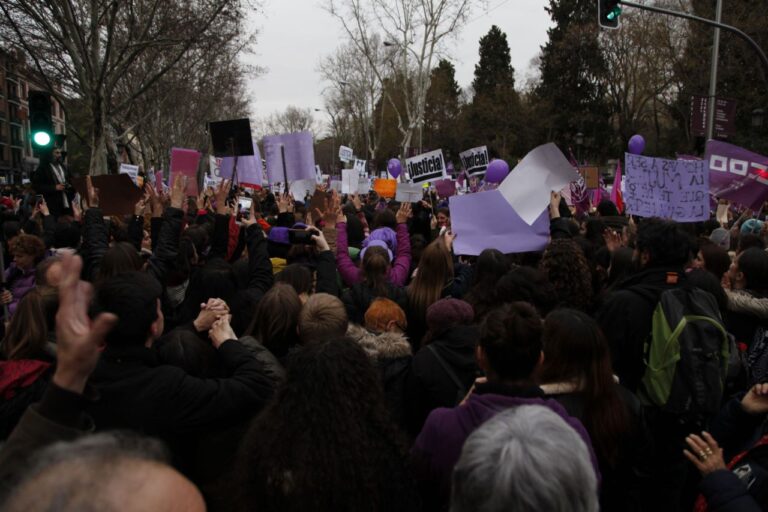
(711, 103)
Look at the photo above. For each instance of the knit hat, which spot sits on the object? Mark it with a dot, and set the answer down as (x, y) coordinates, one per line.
(447, 313)
(376, 243)
(751, 227)
(386, 235)
(721, 237)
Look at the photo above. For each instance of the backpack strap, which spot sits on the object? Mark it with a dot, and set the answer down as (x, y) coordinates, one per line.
(447, 368)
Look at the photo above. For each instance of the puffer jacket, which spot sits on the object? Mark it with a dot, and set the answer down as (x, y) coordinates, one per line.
(20, 282)
(747, 313)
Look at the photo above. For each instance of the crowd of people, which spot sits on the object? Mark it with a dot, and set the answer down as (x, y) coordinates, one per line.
(294, 356)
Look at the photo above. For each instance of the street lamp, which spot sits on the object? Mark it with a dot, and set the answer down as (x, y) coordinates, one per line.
(579, 143)
(758, 117)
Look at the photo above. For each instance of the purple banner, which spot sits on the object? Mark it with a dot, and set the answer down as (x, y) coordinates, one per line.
(670, 189)
(486, 220)
(299, 157)
(249, 168)
(737, 174)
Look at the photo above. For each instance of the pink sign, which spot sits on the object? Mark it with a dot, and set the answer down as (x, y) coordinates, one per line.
(184, 162)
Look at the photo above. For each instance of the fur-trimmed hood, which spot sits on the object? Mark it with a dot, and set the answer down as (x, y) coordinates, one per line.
(741, 301)
(387, 345)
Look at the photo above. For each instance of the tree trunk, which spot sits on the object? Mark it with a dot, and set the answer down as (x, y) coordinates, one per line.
(98, 164)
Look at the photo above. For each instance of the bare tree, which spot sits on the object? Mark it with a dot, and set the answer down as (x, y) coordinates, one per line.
(414, 31)
(292, 119)
(89, 47)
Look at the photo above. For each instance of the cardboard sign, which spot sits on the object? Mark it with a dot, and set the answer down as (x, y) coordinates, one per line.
(475, 160)
(670, 189)
(385, 187)
(118, 195)
(591, 176)
(426, 167)
(346, 154)
(184, 162)
(299, 151)
(409, 193)
(132, 171)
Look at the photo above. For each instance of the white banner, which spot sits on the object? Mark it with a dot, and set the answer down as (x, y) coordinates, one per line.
(346, 154)
(475, 160)
(426, 167)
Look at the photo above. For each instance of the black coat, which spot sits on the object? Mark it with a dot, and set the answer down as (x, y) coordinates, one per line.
(429, 386)
(359, 296)
(44, 182)
(138, 393)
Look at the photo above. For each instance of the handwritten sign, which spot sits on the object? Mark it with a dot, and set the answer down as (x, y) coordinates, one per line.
(426, 167)
(671, 189)
(409, 193)
(475, 160)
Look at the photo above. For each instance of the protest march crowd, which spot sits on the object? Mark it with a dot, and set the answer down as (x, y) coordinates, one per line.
(343, 353)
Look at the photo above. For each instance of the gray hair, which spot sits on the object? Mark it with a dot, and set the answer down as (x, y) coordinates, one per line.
(76, 475)
(525, 459)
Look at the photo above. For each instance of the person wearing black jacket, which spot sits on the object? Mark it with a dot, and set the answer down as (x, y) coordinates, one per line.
(52, 179)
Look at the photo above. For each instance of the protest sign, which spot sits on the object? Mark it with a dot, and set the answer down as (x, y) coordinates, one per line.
(385, 187)
(737, 174)
(360, 166)
(299, 157)
(335, 185)
(363, 185)
(301, 188)
(445, 188)
(475, 160)
(426, 167)
(249, 168)
(349, 180)
(318, 175)
(214, 165)
(591, 176)
(184, 162)
(132, 171)
(671, 189)
(486, 220)
(346, 154)
(409, 193)
(118, 195)
(527, 188)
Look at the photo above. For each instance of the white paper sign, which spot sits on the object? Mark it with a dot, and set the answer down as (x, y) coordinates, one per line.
(132, 171)
(360, 166)
(527, 187)
(300, 188)
(318, 175)
(346, 154)
(349, 179)
(335, 185)
(363, 185)
(426, 167)
(409, 192)
(475, 160)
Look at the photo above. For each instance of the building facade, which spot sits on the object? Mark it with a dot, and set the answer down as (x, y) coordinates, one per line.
(17, 161)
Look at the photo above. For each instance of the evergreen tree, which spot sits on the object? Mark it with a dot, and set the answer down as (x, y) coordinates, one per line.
(442, 109)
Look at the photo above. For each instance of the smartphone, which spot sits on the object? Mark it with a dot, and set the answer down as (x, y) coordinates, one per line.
(244, 203)
(301, 237)
(39, 199)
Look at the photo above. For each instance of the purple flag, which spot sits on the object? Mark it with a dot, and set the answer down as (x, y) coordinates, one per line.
(671, 189)
(299, 157)
(737, 174)
(486, 220)
(248, 168)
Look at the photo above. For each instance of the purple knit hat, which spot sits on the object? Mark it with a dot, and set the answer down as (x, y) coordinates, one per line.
(386, 235)
(376, 243)
(447, 313)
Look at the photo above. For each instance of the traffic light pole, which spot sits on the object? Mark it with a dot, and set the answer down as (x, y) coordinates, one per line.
(711, 23)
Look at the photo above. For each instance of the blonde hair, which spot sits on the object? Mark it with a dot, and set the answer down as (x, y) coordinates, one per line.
(322, 317)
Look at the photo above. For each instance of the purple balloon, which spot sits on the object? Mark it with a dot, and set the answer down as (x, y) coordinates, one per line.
(636, 144)
(497, 171)
(394, 168)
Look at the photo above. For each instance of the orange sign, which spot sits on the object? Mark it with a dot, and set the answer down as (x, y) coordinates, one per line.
(385, 187)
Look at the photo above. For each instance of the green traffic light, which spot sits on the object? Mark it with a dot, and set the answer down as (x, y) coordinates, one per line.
(615, 12)
(41, 138)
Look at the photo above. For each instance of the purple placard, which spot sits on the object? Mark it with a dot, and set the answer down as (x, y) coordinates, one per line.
(486, 220)
(670, 189)
(737, 174)
(248, 167)
(299, 157)
(445, 188)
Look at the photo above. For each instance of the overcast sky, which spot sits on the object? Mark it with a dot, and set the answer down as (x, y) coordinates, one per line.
(295, 34)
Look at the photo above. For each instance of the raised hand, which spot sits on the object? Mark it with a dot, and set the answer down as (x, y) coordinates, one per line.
(221, 194)
(404, 213)
(92, 193)
(285, 203)
(221, 331)
(209, 313)
(79, 340)
(756, 400)
(178, 190)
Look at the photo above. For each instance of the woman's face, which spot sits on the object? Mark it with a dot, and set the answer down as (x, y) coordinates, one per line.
(24, 261)
(699, 262)
(443, 220)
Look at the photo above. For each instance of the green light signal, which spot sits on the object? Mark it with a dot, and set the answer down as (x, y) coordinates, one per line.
(614, 13)
(41, 138)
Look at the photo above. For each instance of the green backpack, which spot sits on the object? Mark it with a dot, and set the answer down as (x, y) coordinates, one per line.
(687, 354)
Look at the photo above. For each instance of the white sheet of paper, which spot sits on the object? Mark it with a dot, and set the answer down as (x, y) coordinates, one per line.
(131, 170)
(349, 179)
(409, 192)
(363, 185)
(527, 187)
(299, 189)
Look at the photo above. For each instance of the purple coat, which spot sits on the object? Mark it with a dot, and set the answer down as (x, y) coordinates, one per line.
(351, 274)
(19, 282)
(438, 447)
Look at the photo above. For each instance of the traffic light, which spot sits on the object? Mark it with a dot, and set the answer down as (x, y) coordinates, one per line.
(608, 12)
(40, 123)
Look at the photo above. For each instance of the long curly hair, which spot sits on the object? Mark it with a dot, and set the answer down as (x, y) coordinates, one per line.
(568, 271)
(326, 441)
